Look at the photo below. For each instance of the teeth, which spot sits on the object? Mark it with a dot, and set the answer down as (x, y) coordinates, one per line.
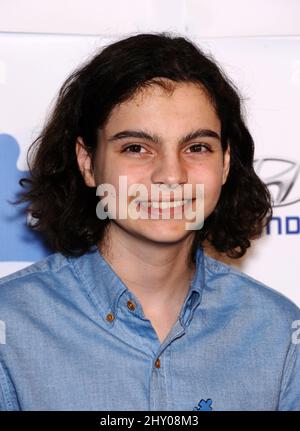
(164, 205)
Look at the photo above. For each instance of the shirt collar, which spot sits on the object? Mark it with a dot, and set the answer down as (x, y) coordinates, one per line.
(105, 287)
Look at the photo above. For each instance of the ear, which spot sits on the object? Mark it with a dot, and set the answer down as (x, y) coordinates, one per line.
(226, 164)
(85, 163)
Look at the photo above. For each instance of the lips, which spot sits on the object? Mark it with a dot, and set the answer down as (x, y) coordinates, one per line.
(164, 204)
(165, 208)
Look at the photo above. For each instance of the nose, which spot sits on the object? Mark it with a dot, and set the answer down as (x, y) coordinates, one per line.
(169, 171)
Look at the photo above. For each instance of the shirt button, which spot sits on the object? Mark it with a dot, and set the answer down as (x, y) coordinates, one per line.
(110, 317)
(130, 305)
(157, 363)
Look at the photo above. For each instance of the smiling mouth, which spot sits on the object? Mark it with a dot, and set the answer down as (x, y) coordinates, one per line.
(165, 208)
(164, 204)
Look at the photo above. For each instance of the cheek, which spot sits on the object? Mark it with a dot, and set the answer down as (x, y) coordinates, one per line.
(211, 176)
(108, 170)
(213, 184)
(122, 185)
(212, 180)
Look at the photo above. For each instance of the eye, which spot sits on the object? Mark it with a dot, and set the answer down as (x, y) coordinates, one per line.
(199, 148)
(134, 147)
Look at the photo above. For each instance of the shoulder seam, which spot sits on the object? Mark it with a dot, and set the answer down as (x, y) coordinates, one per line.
(10, 277)
(236, 272)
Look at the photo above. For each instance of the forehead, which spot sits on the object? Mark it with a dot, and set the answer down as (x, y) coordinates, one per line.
(185, 104)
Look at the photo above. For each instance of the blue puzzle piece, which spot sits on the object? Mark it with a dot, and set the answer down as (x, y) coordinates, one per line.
(204, 406)
(17, 241)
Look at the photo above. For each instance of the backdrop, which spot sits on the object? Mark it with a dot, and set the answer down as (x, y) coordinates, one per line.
(265, 69)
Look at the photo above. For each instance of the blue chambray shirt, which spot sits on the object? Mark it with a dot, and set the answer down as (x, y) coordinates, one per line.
(230, 349)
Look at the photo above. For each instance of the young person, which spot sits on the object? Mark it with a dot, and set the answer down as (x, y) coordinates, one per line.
(130, 313)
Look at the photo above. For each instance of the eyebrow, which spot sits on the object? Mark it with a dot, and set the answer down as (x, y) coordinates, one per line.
(199, 133)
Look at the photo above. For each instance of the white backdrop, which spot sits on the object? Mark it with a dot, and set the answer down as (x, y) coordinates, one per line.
(265, 68)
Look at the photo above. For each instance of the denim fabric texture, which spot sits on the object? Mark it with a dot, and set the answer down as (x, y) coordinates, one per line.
(230, 349)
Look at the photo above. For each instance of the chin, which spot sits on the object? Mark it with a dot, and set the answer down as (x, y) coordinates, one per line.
(160, 232)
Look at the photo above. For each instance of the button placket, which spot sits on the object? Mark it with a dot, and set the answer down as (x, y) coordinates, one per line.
(130, 305)
(110, 317)
(157, 363)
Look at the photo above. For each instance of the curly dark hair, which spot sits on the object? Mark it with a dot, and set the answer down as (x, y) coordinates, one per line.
(59, 200)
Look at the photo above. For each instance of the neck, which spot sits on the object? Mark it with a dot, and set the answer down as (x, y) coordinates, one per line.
(159, 274)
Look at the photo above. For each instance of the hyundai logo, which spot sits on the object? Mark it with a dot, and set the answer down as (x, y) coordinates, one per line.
(281, 177)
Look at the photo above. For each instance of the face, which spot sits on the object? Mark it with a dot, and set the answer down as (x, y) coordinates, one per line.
(174, 157)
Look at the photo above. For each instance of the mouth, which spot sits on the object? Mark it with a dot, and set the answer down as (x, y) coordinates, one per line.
(164, 204)
(162, 207)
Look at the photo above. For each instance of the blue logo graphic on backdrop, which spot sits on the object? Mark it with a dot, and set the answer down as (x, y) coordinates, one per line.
(18, 241)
